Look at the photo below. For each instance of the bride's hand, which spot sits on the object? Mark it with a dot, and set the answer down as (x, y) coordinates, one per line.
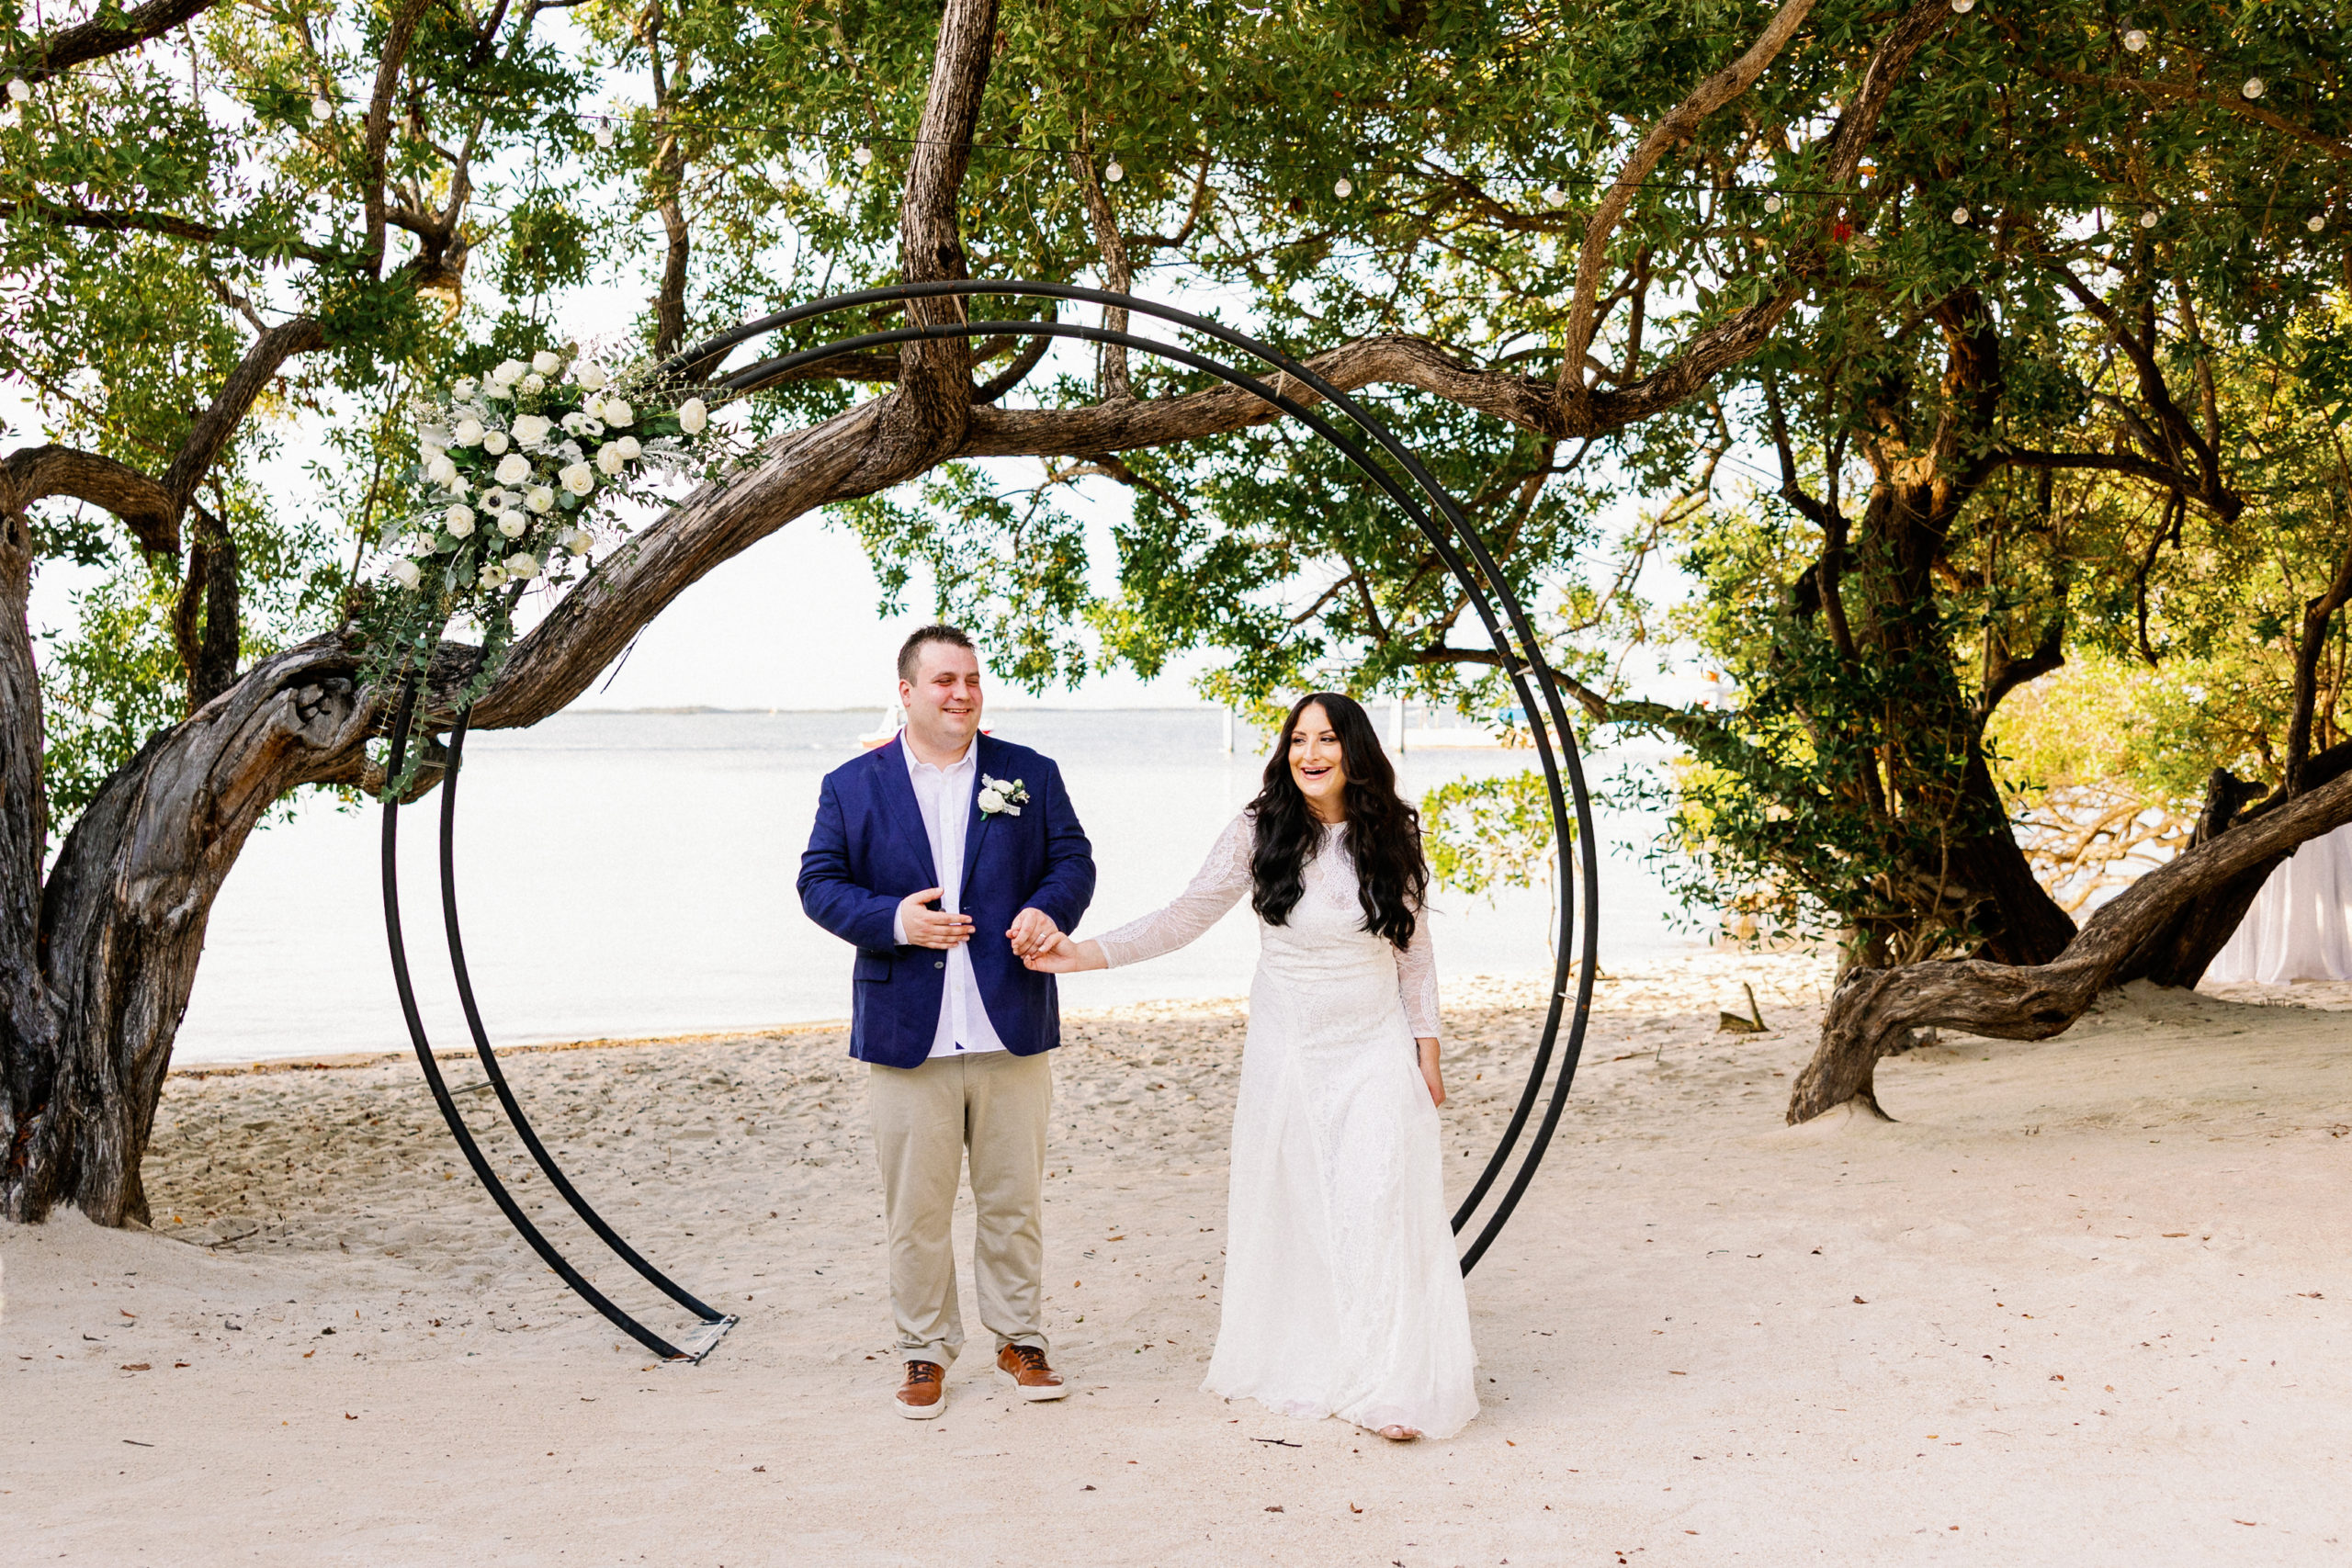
(1066, 956)
(1429, 1073)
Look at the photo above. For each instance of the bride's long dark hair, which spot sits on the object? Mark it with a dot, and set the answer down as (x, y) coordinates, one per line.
(1383, 833)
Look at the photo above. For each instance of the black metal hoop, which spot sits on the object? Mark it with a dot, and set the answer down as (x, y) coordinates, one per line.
(1478, 576)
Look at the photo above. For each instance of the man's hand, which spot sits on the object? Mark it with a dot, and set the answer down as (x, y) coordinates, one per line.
(932, 928)
(1033, 931)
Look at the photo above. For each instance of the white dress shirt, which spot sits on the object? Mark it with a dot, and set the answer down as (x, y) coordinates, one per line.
(944, 795)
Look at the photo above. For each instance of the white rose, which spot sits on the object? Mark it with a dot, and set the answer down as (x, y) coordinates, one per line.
(534, 383)
(693, 414)
(461, 389)
(468, 431)
(497, 390)
(509, 371)
(610, 458)
(580, 541)
(458, 520)
(520, 569)
(615, 412)
(457, 485)
(546, 364)
(630, 447)
(992, 801)
(406, 574)
(431, 442)
(530, 429)
(513, 468)
(579, 479)
(589, 375)
(494, 442)
(511, 523)
(440, 469)
(539, 499)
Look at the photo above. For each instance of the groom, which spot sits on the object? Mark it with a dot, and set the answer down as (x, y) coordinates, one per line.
(946, 857)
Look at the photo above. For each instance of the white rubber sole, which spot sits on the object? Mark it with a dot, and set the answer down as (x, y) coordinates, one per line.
(931, 1412)
(1034, 1395)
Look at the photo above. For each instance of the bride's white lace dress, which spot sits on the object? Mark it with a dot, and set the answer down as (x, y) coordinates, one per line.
(1342, 1290)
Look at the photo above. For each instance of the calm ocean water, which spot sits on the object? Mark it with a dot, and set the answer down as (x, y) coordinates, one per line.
(627, 873)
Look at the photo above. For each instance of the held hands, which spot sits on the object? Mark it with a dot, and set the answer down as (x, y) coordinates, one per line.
(1064, 956)
(932, 928)
(1032, 932)
(1429, 1073)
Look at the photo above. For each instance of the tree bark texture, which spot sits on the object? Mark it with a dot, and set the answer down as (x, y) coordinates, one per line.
(1873, 1012)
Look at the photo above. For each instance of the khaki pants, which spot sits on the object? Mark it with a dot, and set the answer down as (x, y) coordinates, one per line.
(996, 1105)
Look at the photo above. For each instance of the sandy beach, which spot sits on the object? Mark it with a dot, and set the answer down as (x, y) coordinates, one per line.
(2087, 1301)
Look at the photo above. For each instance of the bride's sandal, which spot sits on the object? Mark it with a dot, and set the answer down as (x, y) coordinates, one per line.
(1397, 1434)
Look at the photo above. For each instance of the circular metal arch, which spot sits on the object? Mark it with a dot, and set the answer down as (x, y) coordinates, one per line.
(1432, 510)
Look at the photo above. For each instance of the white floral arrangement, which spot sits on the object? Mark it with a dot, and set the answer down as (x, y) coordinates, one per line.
(514, 483)
(999, 795)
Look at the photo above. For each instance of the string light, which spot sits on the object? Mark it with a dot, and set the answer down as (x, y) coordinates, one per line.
(20, 89)
(321, 109)
(2135, 40)
(1959, 215)
(1772, 204)
(863, 154)
(1555, 197)
(2148, 218)
(604, 136)
(1114, 171)
(2315, 223)
(1963, 7)
(1343, 188)
(2253, 88)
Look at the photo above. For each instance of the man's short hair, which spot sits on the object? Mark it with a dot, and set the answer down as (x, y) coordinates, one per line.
(910, 650)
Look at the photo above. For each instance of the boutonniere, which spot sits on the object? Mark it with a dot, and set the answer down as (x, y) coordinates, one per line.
(996, 795)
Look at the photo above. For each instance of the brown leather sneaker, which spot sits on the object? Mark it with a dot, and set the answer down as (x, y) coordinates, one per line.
(924, 1394)
(1024, 1366)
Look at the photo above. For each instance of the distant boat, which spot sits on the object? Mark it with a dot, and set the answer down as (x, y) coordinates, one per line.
(894, 718)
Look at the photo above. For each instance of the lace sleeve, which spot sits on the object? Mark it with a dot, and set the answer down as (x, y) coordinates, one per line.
(1223, 879)
(1417, 980)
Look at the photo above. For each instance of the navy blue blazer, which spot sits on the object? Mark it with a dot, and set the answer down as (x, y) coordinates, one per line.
(868, 850)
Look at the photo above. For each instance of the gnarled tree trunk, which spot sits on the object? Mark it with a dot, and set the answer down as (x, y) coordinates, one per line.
(1873, 1012)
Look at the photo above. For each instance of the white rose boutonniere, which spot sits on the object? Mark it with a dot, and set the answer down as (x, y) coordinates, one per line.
(996, 795)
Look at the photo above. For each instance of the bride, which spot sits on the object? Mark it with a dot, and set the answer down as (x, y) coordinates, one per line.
(1342, 1292)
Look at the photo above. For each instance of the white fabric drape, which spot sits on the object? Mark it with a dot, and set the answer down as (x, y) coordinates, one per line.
(2300, 925)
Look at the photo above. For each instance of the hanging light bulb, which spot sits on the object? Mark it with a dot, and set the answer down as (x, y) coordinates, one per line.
(1772, 204)
(1555, 197)
(2253, 88)
(1959, 215)
(2315, 223)
(1343, 188)
(1114, 171)
(1963, 7)
(2148, 218)
(2135, 40)
(863, 155)
(603, 134)
(20, 89)
(321, 109)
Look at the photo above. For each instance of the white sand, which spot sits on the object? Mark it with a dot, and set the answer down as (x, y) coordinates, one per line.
(2104, 1316)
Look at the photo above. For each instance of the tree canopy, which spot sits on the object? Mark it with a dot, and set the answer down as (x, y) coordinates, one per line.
(1943, 347)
